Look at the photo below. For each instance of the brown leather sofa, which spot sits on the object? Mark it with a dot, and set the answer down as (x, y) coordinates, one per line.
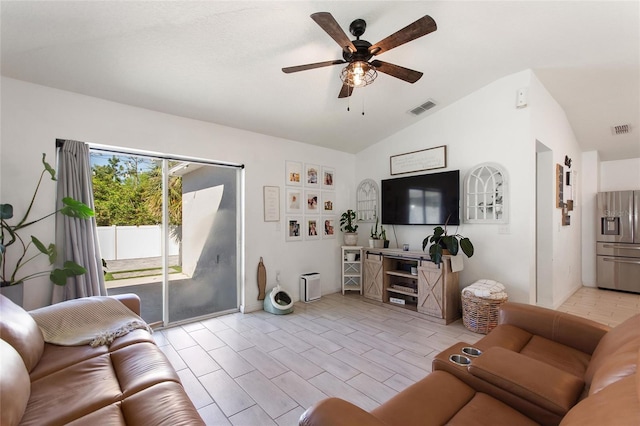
(538, 366)
(128, 382)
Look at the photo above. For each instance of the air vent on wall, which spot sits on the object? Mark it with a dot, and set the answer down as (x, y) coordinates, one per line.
(621, 129)
(424, 107)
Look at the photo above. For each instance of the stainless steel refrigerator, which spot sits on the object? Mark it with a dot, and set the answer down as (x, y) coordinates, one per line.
(618, 241)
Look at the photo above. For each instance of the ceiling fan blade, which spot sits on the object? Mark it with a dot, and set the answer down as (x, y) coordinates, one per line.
(289, 70)
(397, 71)
(346, 91)
(419, 28)
(328, 23)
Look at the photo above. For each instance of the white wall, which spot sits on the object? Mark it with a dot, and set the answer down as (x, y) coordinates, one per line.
(34, 116)
(590, 186)
(620, 175)
(550, 126)
(484, 126)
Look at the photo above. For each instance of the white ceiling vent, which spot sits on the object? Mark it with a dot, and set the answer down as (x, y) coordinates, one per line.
(622, 129)
(424, 107)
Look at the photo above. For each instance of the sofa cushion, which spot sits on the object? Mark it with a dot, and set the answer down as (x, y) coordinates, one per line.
(19, 330)
(475, 413)
(622, 363)
(518, 340)
(15, 386)
(55, 357)
(618, 404)
(626, 332)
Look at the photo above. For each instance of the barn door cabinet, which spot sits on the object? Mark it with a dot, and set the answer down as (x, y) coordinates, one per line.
(410, 281)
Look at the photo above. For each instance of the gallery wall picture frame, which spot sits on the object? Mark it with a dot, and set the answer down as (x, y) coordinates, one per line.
(312, 228)
(293, 173)
(312, 175)
(417, 161)
(271, 203)
(294, 228)
(559, 186)
(328, 202)
(328, 227)
(294, 202)
(312, 201)
(328, 178)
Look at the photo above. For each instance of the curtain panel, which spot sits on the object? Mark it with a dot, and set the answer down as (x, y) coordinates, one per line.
(77, 239)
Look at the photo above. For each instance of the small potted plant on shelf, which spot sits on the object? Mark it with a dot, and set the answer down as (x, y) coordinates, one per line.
(443, 243)
(375, 238)
(11, 240)
(349, 228)
(383, 236)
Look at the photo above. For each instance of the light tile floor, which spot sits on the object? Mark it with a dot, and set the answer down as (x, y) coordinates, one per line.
(263, 369)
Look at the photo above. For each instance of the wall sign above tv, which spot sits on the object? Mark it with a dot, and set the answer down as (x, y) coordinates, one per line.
(416, 161)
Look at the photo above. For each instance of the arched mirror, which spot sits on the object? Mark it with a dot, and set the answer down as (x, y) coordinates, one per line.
(367, 201)
(486, 194)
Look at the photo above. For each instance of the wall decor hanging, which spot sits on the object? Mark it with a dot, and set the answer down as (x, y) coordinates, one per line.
(486, 194)
(416, 161)
(271, 203)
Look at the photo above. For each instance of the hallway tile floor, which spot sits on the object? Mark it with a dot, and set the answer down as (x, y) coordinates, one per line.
(263, 369)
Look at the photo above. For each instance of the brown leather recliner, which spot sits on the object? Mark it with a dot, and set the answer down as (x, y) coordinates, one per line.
(128, 382)
(539, 366)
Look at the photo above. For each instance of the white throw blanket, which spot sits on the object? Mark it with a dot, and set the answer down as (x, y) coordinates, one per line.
(94, 320)
(488, 289)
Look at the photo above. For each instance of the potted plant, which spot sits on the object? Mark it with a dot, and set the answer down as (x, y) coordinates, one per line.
(441, 241)
(349, 228)
(12, 240)
(383, 236)
(375, 238)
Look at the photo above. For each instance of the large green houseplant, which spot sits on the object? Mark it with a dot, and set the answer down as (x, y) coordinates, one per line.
(441, 241)
(12, 240)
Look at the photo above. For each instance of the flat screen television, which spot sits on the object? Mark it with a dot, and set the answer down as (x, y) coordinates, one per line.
(427, 199)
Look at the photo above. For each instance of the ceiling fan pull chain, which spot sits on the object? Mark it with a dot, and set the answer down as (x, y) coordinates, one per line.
(363, 104)
(349, 102)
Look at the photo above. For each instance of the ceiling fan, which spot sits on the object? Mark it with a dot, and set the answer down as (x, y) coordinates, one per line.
(359, 72)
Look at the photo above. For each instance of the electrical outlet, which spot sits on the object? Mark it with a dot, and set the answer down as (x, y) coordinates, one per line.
(504, 229)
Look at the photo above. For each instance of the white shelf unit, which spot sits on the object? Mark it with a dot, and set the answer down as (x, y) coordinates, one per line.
(351, 269)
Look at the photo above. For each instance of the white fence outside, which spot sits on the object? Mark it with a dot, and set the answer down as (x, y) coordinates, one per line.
(133, 242)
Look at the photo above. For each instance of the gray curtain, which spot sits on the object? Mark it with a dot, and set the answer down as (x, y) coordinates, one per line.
(77, 239)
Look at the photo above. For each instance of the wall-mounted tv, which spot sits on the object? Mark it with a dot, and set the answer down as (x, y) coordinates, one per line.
(422, 200)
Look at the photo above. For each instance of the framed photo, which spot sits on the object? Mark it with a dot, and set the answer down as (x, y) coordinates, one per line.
(294, 202)
(294, 228)
(417, 161)
(312, 202)
(328, 177)
(313, 229)
(328, 202)
(312, 175)
(293, 173)
(271, 203)
(328, 227)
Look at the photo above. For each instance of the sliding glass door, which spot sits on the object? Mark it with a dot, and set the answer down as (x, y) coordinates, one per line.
(169, 231)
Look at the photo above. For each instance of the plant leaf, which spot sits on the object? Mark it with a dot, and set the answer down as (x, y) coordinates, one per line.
(6, 211)
(39, 245)
(58, 277)
(435, 252)
(48, 168)
(437, 232)
(452, 244)
(53, 254)
(467, 246)
(72, 268)
(77, 209)
(424, 243)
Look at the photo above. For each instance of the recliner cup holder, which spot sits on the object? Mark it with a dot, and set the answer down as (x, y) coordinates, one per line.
(472, 352)
(460, 360)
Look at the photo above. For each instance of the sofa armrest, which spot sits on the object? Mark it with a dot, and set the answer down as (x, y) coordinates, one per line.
(337, 412)
(535, 381)
(130, 300)
(570, 330)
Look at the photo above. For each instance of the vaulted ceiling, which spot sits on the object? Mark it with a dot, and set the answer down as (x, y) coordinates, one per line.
(220, 61)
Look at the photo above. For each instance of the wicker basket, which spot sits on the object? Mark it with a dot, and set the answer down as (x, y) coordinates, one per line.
(479, 314)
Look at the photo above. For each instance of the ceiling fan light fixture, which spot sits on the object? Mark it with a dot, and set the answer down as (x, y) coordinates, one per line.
(358, 74)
